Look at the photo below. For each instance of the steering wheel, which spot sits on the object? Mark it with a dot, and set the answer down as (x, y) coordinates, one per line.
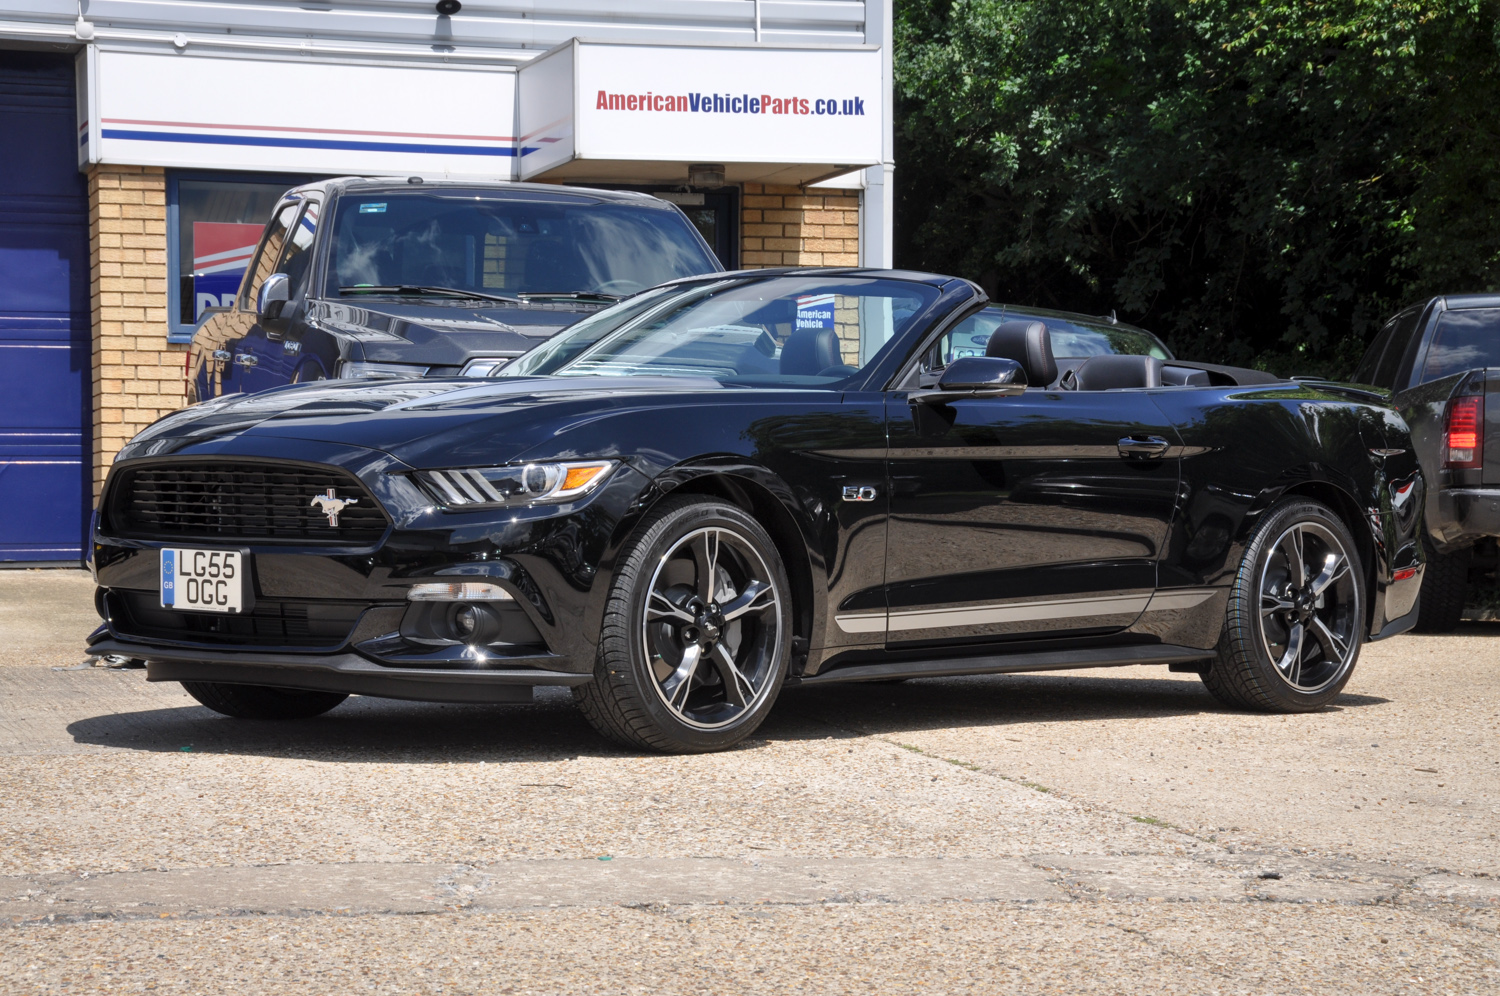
(620, 287)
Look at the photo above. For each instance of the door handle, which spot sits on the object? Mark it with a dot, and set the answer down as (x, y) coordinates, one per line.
(1143, 447)
(221, 355)
(246, 360)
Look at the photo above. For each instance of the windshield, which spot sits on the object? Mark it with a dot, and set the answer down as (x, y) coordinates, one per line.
(1071, 337)
(500, 244)
(806, 331)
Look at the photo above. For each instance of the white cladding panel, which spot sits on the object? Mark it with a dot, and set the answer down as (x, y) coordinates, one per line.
(506, 29)
(262, 114)
(544, 113)
(756, 110)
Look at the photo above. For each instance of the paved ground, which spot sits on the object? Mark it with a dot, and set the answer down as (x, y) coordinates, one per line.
(1104, 831)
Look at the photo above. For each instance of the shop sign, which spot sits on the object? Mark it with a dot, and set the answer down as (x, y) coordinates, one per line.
(591, 103)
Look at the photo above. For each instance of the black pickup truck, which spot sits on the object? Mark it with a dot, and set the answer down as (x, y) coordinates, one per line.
(378, 278)
(1440, 361)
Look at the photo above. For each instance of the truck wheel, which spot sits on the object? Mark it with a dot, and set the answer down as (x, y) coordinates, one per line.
(697, 632)
(261, 702)
(1296, 615)
(1445, 589)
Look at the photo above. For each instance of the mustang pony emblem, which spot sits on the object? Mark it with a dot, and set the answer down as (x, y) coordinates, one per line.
(332, 505)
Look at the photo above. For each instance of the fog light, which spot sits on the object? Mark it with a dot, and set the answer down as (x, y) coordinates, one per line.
(463, 591)
(473, 624)
(465, 622)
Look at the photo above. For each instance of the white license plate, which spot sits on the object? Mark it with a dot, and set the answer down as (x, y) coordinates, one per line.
(203, 580)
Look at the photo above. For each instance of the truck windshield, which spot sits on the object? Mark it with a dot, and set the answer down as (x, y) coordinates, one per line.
(502, 244)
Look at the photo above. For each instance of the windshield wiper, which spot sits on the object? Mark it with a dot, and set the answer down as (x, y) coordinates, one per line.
(421, 289)
(570, 296)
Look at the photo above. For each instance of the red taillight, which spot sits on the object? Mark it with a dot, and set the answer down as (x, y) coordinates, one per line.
(1404, 574)
(1463, 443)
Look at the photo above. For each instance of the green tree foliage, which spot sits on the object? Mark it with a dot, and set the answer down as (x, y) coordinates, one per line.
(1259, 181)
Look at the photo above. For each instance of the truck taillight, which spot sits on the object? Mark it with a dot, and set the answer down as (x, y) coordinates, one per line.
(1463, 436)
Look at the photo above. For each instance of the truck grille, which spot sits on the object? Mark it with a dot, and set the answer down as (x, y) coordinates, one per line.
(325, 624)
(240, 501)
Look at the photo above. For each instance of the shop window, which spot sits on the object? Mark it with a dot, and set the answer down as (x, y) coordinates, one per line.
(214, 222)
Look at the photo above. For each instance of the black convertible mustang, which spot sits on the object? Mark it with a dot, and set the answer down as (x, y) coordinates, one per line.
(732, 483)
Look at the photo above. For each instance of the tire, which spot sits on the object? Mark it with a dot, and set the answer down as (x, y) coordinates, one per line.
(1273, 607)
(685, 667)
(262, 702)
(1445, 589)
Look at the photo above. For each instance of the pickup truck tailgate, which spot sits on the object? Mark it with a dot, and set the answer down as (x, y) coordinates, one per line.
(1491, 472)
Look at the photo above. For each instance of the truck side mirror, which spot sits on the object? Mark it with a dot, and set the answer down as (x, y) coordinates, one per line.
(273, 296)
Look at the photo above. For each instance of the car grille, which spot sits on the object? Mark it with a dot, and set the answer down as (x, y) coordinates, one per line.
(270, 623)
(240, 501)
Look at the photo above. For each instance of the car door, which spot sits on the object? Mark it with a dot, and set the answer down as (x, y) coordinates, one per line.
(1037, 515)
(261, 356)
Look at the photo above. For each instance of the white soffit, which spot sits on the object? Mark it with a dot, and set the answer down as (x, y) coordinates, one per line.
(162, 109)
(597, 111)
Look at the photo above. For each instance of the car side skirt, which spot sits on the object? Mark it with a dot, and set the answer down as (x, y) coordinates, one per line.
(1046, 660)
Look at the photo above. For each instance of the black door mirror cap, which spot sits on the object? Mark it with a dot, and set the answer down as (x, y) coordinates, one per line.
(975, 377)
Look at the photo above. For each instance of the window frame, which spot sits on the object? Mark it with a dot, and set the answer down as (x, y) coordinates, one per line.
(177, 331)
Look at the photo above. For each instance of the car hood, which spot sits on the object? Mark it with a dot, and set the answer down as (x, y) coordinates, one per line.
(438, 334)
(422, 423)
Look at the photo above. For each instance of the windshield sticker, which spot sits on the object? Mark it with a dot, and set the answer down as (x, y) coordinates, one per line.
(372, 208)
(815, 311)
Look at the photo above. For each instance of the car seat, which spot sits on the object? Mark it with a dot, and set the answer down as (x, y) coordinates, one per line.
(809, 352)
(1112, 372)
(1029, 344)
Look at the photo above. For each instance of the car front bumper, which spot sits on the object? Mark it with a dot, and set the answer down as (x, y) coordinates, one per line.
(493, 680)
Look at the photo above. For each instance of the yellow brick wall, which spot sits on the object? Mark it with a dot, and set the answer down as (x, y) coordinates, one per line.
(137, 375)
(793, 226)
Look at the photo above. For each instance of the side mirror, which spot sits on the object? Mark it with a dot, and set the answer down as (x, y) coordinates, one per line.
(273, 296)
(976, 377)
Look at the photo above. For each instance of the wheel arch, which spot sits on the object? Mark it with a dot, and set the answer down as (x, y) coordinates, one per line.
(1344, 505)
(758, 498)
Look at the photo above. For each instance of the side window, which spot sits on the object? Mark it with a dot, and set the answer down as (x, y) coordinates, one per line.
(1395, 350)
(1464, 340)
(968, 338)
(269, 254)
(1365, 372)
(296, 260)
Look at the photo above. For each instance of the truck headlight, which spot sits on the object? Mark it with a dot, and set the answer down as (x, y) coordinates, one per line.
(518, 484)
(484, 366)
(360, 370)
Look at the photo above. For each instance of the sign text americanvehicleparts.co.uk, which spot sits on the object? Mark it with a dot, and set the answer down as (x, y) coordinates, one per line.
(728, 103)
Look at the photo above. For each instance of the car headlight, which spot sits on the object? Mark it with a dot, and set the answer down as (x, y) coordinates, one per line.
(359, 370)
(520, 484)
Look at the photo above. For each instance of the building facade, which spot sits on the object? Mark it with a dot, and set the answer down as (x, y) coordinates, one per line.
(148, 141)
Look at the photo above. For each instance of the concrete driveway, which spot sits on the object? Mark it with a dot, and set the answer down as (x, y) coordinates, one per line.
(1101, 831)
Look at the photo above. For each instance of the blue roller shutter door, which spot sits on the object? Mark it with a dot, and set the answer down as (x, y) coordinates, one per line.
(45, 341)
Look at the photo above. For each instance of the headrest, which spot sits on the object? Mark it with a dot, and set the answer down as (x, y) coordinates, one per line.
(1029, 344)
(1107, 372)
(808, 352)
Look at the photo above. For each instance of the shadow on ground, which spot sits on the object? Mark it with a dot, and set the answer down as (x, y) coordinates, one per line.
(389, 731)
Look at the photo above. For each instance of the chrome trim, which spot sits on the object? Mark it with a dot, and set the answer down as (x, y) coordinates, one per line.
(979, 615)
(1059, 608)
(1180, 598)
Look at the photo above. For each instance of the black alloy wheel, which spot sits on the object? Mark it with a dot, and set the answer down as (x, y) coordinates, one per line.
(697, 632)
(1296, 615)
